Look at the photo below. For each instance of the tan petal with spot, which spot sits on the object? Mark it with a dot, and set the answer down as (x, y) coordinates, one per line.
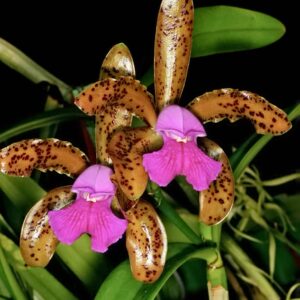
(146, 242)
(118, 62)
(217, 201)
(21, 158)
(125, 92)
(234, 104)
(37, 240)
(126, 149)
(173, 43)
(107, 122)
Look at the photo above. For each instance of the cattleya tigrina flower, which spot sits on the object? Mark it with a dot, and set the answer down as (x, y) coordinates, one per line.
(171, 144)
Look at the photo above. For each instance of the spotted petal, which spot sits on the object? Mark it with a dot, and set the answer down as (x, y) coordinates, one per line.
(94, 218)
(177, 158)
(45, 155)
(216, 202)
(107, 121)
(118, 62)
(125, 91)
(37, 240)
(234, 104)
(173, 42)
(146, 242)
(126, 149)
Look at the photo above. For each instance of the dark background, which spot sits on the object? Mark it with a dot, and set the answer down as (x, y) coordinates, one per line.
(71, 42)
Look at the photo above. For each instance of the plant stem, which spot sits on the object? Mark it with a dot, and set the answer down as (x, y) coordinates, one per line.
(17, 60)
(13, 285)
(248, 267)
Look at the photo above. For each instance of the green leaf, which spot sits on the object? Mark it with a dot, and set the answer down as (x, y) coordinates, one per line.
(23, 192)
(285, 270)
(8, 276)
(173, 289)
(41, 120)
(20, 62)
(291, 205)
(125, 287)
(220, 29)
(193, 274)
(39, 279)
(89, 266)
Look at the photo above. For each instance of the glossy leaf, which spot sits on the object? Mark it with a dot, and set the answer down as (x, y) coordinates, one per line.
(22, 157)
(234, 104)
(124, 91)
(19, 61)
(39, 279)
(42, 120)
(220, 29)
(173, 42)
(127, 288)
(118, 62)
(90, 267)
(126, 149)
(217, 201)
(37, 240)
(146, 242)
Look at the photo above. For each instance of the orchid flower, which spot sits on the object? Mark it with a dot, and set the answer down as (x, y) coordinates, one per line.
(174, 144)
(97, 207)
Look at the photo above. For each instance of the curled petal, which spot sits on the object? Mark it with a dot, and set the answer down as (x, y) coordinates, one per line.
(126, 149)
(234, 104)
(176, 158)
(94, 218)
(37, 240)
(118, 62)
(124, 91)
(173, 42)
(216, 202)
(146, 242)
(114, 117)
(45, 155)
(180, 122)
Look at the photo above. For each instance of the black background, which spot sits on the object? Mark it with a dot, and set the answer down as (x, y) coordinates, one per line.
(71, 42)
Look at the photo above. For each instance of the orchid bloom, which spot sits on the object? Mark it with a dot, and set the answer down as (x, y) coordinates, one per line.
(98, 203)
(90, 212)
(174, 143)
(171, 143)
(180, 154)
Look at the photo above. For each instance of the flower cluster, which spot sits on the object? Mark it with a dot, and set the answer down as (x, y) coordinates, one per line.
(171, 143)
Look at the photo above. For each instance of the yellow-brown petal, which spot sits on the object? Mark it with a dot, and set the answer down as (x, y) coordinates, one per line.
(126, 149)
(106, 123)
(125, 92)
(217, 201)
(118, 62)
(37, 240)
(173, 43)
(146, 242)
(234, 104)
(21, 158)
